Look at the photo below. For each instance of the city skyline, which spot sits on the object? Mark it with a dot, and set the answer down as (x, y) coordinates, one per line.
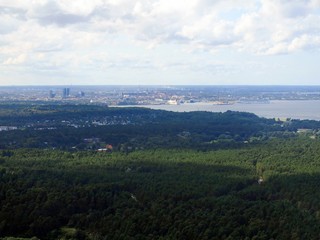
(150, 42)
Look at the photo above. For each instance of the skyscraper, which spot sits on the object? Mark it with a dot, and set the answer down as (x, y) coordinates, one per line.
(81, 94)
(66, 92)
(52, 94)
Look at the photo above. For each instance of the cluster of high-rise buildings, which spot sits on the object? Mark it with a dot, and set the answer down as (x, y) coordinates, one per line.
(158, 95)
(65, 93)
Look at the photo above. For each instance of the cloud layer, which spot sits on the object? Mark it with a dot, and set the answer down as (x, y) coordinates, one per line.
(51, 34)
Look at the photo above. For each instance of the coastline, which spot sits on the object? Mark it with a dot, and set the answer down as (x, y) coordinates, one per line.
(294, 109)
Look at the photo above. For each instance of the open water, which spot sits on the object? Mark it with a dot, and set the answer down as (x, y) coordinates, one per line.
(295, 109)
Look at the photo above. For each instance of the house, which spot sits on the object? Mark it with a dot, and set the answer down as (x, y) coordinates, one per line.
(304, 130)
(108, 148)
(260, 181)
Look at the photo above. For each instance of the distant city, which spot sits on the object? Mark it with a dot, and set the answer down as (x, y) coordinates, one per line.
(158, 95)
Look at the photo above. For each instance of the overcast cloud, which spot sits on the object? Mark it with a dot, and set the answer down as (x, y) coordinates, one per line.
(159, 42)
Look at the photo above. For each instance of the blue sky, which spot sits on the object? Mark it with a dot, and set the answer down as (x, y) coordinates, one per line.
(161, 42)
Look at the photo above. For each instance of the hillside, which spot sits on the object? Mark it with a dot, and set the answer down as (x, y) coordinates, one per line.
(165, 175)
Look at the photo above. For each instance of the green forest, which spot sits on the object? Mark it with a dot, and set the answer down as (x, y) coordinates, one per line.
(196, 175)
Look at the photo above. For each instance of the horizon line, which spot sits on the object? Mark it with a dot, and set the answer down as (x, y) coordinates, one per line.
(166, 85)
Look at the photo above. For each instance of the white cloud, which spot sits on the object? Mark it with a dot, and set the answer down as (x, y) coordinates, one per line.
(276, 24)
(210, 24)
(16, 60)
(72, 33)
(304, 42)
(7, 24)
(79, 7)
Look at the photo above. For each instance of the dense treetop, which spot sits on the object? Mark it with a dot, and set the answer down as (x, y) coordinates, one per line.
(195, 175)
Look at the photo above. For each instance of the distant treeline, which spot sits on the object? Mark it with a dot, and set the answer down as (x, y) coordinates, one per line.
(66, 127)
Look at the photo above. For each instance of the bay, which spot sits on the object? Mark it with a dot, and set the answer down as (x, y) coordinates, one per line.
(294, 109)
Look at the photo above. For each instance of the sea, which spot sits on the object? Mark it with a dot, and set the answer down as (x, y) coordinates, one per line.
(294, 109)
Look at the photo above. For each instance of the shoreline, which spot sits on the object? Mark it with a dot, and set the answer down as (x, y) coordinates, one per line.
(294, 109)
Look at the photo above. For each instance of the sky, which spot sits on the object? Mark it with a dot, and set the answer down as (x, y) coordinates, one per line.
(159, 42)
